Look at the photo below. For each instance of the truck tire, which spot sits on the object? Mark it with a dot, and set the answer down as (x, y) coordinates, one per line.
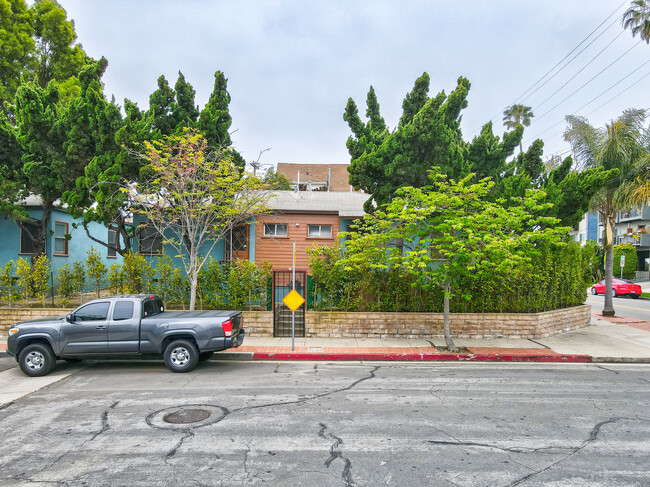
(205, 356)
(36, 360)
(181, 356)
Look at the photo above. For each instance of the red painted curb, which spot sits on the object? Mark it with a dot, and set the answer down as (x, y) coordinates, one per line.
(421, 357)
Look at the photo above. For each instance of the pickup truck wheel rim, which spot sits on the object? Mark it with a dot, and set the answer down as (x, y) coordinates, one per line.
(34, 360)
(180, 356)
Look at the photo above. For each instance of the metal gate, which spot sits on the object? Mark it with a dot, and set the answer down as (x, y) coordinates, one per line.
(282, 314)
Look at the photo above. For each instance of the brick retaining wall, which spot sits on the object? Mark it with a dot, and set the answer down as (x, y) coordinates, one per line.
(463, 325)
(386, 325)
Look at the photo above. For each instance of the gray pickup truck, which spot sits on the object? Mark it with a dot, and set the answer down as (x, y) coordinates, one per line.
(123, 326)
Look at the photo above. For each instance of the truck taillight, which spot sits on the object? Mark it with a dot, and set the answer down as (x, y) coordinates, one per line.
(227, 328)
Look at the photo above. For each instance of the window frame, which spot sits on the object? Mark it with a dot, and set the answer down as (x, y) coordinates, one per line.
(27, 239)
(320, 230)
(131, 303)
(105, 318)
(111, 253)
(276, 225)
(155, 237)
(55, 237)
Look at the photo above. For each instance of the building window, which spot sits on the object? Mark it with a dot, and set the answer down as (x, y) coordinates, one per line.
(112, 243)
(150, 242)
(323, 231)
(26, 243)
(276, 230)
(60, 238)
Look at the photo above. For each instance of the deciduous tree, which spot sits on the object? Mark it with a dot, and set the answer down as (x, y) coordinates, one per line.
(194, 196)
(448, 232)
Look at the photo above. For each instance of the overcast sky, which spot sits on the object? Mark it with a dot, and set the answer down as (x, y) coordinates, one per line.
(291, 65)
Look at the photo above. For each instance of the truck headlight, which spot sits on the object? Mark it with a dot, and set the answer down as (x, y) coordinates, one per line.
(14, 330)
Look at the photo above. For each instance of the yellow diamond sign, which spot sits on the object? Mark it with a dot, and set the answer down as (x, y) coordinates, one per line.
(293, 300)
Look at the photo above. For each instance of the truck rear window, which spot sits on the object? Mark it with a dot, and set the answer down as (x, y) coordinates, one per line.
(152, 307)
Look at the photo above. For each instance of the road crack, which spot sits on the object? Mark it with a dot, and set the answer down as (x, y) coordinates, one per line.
(337, 454)
(593, 436)
(302, 400)
(188, 434)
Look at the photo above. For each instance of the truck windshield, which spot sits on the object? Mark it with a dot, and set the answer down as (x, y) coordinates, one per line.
(152, 307)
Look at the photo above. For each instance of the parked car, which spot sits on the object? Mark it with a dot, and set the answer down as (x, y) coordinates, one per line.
(620, 287)
(123, 326)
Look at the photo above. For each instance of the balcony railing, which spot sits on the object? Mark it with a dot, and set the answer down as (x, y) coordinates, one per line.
(642, 240)
(642, 213)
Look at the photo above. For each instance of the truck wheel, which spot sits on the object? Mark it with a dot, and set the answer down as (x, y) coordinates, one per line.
(36, 360)
(205, 356)
(181, 356)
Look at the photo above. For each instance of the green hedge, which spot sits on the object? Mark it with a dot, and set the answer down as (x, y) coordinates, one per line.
(629, 270)
(557, 278)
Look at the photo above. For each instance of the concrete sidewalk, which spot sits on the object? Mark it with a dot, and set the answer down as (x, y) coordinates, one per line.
(617, 340)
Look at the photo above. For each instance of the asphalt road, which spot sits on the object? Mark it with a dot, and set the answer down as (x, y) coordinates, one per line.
(318, 424)
(624, 306)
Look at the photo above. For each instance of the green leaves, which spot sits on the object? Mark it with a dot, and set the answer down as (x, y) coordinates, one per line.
(428, 135)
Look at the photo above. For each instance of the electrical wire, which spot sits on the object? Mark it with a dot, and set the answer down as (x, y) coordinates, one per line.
(624, 78)
(583, 68)
(561, 61)
(589, 81)
(583, 50)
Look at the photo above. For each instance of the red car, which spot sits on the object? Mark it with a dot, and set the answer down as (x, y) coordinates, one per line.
(620, 287)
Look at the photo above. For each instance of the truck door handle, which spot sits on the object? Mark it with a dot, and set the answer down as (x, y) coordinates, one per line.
(100, 327)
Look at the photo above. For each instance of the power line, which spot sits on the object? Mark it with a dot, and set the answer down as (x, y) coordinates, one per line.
(617, 95)
(624, 78)
(562, 60)
(592, 78)
(583, 50)
(582, 69)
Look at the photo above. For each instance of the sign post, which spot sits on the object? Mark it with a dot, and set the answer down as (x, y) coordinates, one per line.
(293, 288)
(622, 264)
(293, 300)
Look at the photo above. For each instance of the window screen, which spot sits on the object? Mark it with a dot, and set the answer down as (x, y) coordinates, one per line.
(276, 229)
(319, 231)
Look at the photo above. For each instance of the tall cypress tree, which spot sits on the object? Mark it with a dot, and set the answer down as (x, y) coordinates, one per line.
(184, 112)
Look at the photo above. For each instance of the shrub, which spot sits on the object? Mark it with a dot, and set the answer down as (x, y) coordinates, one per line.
(164, 269)
(629, 251)
(138, 274)
(116, 279)
(65, 279)
(24, 273)
(557, 278)
(7, 282)
(95, 268)
(78, 279)
(41, 277)
(179, 290)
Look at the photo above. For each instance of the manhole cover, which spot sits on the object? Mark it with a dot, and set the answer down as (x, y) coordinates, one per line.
(187, 416)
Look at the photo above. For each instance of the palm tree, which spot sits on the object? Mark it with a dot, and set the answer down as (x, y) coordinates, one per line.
(638, 190)
(637, 19)
(517, 116)
(619, 145)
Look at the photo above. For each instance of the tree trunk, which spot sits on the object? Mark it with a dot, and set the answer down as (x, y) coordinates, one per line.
(194, 280)
(445, 322)
(608, 309)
